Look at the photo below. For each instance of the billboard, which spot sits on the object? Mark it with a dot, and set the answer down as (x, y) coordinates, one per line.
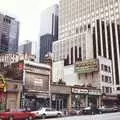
(87, 66)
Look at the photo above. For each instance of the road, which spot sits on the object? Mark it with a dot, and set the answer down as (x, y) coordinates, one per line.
(109, 116)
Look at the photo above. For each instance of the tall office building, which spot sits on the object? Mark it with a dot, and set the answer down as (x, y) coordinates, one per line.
(78, 19)
(9, 34)
(26, 48)
(48, 30)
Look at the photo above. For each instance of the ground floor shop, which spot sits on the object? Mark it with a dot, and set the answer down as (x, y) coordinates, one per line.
(2, 101)
(83, 97)
(13, 100)
(35, 101)
(60, 97)
(109, 100)
(59, 101)
(13, 95)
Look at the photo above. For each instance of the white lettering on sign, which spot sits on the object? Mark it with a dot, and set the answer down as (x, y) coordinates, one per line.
(38, 82)
(94, 92)
(76, 90)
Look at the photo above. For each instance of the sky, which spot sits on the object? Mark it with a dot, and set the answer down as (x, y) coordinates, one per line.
(27, 12)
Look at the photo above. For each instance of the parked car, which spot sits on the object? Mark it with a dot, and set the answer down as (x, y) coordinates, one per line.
(108, 109)
(73, 112)
(91, 111)
(17, 115)
(47, 112)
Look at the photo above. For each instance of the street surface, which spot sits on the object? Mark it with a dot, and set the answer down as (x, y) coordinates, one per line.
(108, 116)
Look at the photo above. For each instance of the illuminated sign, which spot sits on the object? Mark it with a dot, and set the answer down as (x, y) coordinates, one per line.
(86, 66)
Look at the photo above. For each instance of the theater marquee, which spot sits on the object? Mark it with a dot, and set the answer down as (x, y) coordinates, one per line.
(87, 66)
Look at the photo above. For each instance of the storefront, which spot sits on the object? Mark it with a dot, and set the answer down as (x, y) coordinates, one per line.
(60, 97)
(84, 97)
(35, 100)
(36, 79)
(3, 86)
(109, 100)
(13, 95)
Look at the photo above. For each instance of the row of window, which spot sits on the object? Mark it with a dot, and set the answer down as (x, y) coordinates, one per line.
(6, 20)
(106, 89)
(106, 79)
(105, 68)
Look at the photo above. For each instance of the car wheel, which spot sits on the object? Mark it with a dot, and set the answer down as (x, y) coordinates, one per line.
(26, 119)
(11, 118)
(30, 118)
(43, 116)
(93, 113)
(59, 115)
(100, 112)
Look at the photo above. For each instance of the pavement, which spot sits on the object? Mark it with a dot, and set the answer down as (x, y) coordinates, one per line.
(107, 116)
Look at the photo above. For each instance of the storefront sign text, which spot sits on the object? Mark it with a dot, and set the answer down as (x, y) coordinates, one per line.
(86, 66)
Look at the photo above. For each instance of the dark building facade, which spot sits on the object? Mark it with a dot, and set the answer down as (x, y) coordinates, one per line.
(49, 30)
(9, 34)
(45, 45)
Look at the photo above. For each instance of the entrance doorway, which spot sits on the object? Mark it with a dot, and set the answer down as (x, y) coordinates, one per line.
(92, 100)
(59, 104)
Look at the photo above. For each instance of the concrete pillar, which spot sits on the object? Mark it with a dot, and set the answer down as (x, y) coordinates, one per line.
(18, 99)
(99, 103)
(86, 101)
(69, 102)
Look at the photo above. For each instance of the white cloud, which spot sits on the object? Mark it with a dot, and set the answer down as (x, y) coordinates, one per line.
(28, 13)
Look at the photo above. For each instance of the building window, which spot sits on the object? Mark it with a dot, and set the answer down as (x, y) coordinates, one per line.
(106, 79)
(109, 70)
(103, 89)
(107, 89)
(105, 68)
(110, 81)
(102, 67)
(77, 30)
(103, 78)
(110, 90)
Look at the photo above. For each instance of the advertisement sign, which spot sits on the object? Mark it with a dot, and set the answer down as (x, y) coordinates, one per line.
(94, 92)
(78, 91)
(87, 66)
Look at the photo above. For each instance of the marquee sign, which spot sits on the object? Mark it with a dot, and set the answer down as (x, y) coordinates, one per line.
(87, 66)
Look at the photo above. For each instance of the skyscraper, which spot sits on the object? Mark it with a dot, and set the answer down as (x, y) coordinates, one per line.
(100, 18)
(9, 34)
(26, 48)
(48, 30)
